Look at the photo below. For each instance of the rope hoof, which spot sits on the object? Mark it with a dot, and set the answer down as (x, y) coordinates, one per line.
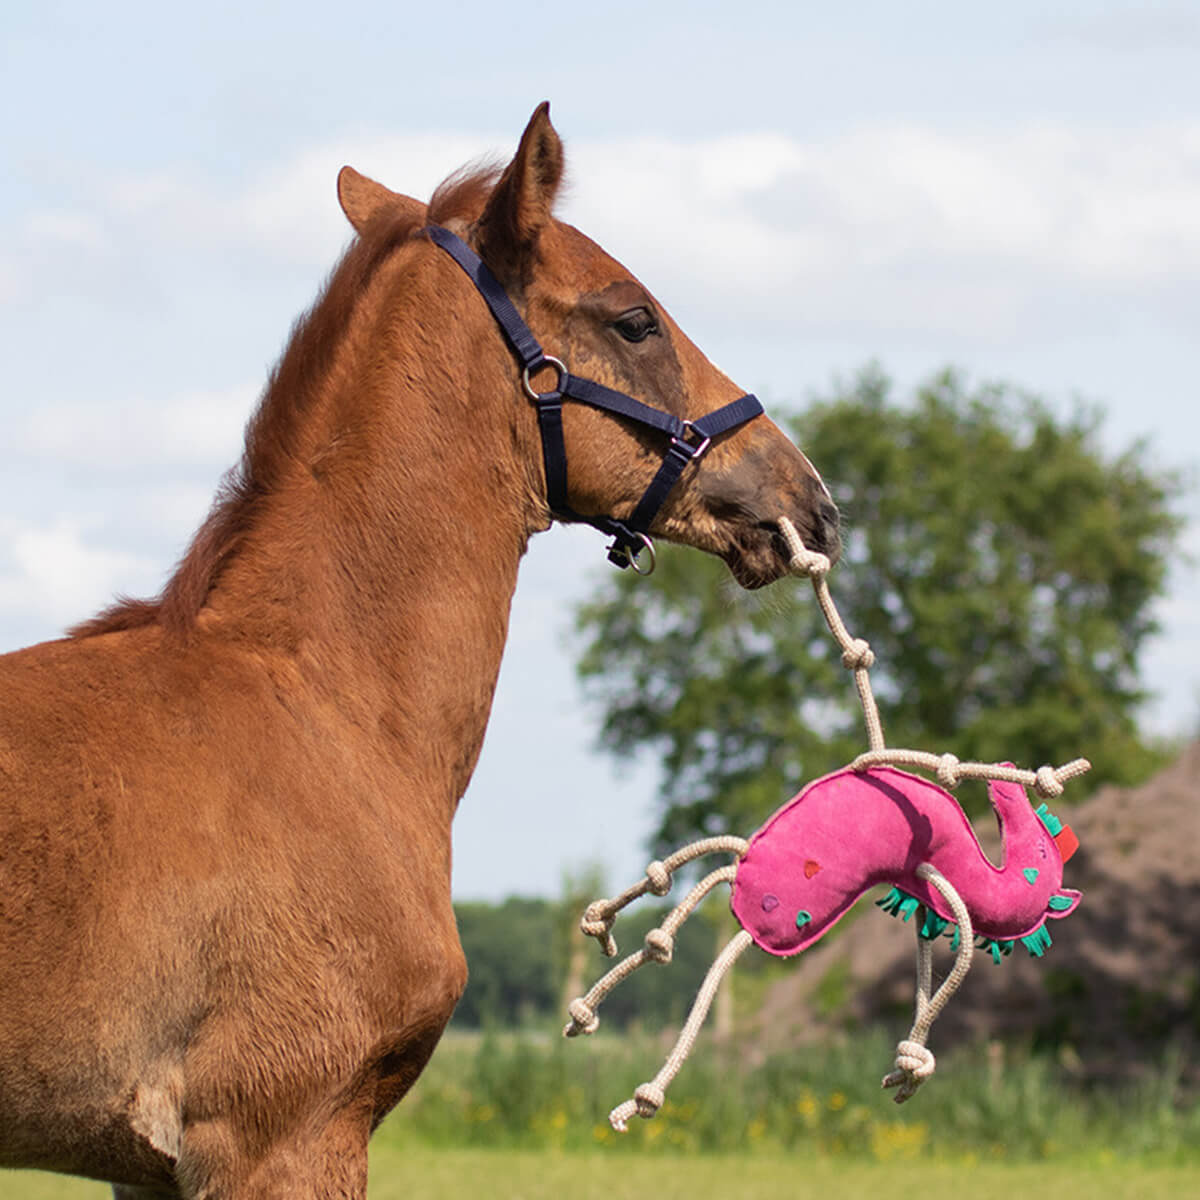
(647, 1100)
(583, 1019)
(659, 877)
(914, 1064)
(619, 1117)
(660, 945)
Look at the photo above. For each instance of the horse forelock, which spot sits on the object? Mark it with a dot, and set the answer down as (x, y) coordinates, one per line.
(462, 194)
(292, 389)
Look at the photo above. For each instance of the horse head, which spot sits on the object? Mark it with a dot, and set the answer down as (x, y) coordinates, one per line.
(599, 323)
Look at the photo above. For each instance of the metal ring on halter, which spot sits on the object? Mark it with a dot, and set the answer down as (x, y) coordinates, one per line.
(632, 559)
(547, 360)
(698, 448)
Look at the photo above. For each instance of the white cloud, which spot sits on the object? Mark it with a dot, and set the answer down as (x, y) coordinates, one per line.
(202, 428)
(928, 228)
(982, 235)
(74, 229)
(290, 209)
(52, 575)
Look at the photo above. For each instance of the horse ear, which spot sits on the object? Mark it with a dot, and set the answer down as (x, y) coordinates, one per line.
(362, 198)
(522, 200)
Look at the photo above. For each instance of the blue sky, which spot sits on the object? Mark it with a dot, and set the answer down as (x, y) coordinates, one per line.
(1014, 189)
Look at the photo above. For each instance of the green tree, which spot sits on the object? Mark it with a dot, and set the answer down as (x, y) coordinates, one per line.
(999, 562)
(513, 972)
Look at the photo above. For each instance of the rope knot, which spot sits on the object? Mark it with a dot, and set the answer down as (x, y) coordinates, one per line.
(649, 1099)
(659, 877)
(858, 656)
(915, 1059)
(809, 562)
(583, 1018)
(597, 922)
(660, 945)
(1047, 784)
(947, 771)
(914, 1064)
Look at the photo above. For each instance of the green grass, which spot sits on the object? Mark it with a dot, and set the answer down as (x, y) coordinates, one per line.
(512, 1092)
(507, 1115)
(428, 1174)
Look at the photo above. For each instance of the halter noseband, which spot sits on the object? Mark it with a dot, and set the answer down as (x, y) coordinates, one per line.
(688, 439)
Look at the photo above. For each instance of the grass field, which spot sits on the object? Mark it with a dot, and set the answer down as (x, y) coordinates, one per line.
(520, 1117)
(425, 1174)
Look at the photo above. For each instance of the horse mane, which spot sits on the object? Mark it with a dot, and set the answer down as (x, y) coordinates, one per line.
(291, 389)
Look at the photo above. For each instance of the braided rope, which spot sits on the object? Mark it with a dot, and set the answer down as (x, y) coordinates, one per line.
(599, 916)
(914, 1062)
(649, 1097)
(658, 947)
(1047, 782)
(858, 657)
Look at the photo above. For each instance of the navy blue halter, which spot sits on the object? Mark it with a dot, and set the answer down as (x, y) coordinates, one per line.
(688, 440)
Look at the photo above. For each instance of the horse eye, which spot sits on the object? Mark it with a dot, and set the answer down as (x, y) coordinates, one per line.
(636, 325)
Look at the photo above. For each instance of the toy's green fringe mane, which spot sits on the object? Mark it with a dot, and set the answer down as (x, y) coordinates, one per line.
(898, 903)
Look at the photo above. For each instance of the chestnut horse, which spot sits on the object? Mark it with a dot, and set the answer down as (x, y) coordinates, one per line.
(227, 946)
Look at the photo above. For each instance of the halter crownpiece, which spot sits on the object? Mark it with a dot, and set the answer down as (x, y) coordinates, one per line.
(688, 440)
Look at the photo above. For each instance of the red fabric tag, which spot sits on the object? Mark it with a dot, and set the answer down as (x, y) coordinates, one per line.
(1067, 842)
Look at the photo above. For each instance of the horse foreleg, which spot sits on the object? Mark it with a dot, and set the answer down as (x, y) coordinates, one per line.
(329, 1163)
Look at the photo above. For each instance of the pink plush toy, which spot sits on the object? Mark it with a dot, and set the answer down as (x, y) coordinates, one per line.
(804, 869)
(854, 829)
(865, 825)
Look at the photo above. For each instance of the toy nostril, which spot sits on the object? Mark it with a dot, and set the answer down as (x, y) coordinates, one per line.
(802, 918)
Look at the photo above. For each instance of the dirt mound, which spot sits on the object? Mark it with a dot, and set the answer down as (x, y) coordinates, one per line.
(1121, 980)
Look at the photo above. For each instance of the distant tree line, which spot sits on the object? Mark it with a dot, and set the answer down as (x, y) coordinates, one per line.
(519, 958)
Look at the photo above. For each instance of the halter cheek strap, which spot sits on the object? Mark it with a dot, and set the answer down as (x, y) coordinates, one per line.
(688, 440)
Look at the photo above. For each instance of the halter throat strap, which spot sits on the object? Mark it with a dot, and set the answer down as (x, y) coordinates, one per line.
(687, 440)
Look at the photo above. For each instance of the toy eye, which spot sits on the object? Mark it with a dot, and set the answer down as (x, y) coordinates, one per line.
(802, 918)
(770, 903)
(636, 325)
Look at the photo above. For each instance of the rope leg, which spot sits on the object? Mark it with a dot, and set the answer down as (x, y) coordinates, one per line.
(649, 1097)
(598, 918)
(914, 1062)
(659, 946)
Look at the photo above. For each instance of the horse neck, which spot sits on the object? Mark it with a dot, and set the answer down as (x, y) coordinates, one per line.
(386, 563)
